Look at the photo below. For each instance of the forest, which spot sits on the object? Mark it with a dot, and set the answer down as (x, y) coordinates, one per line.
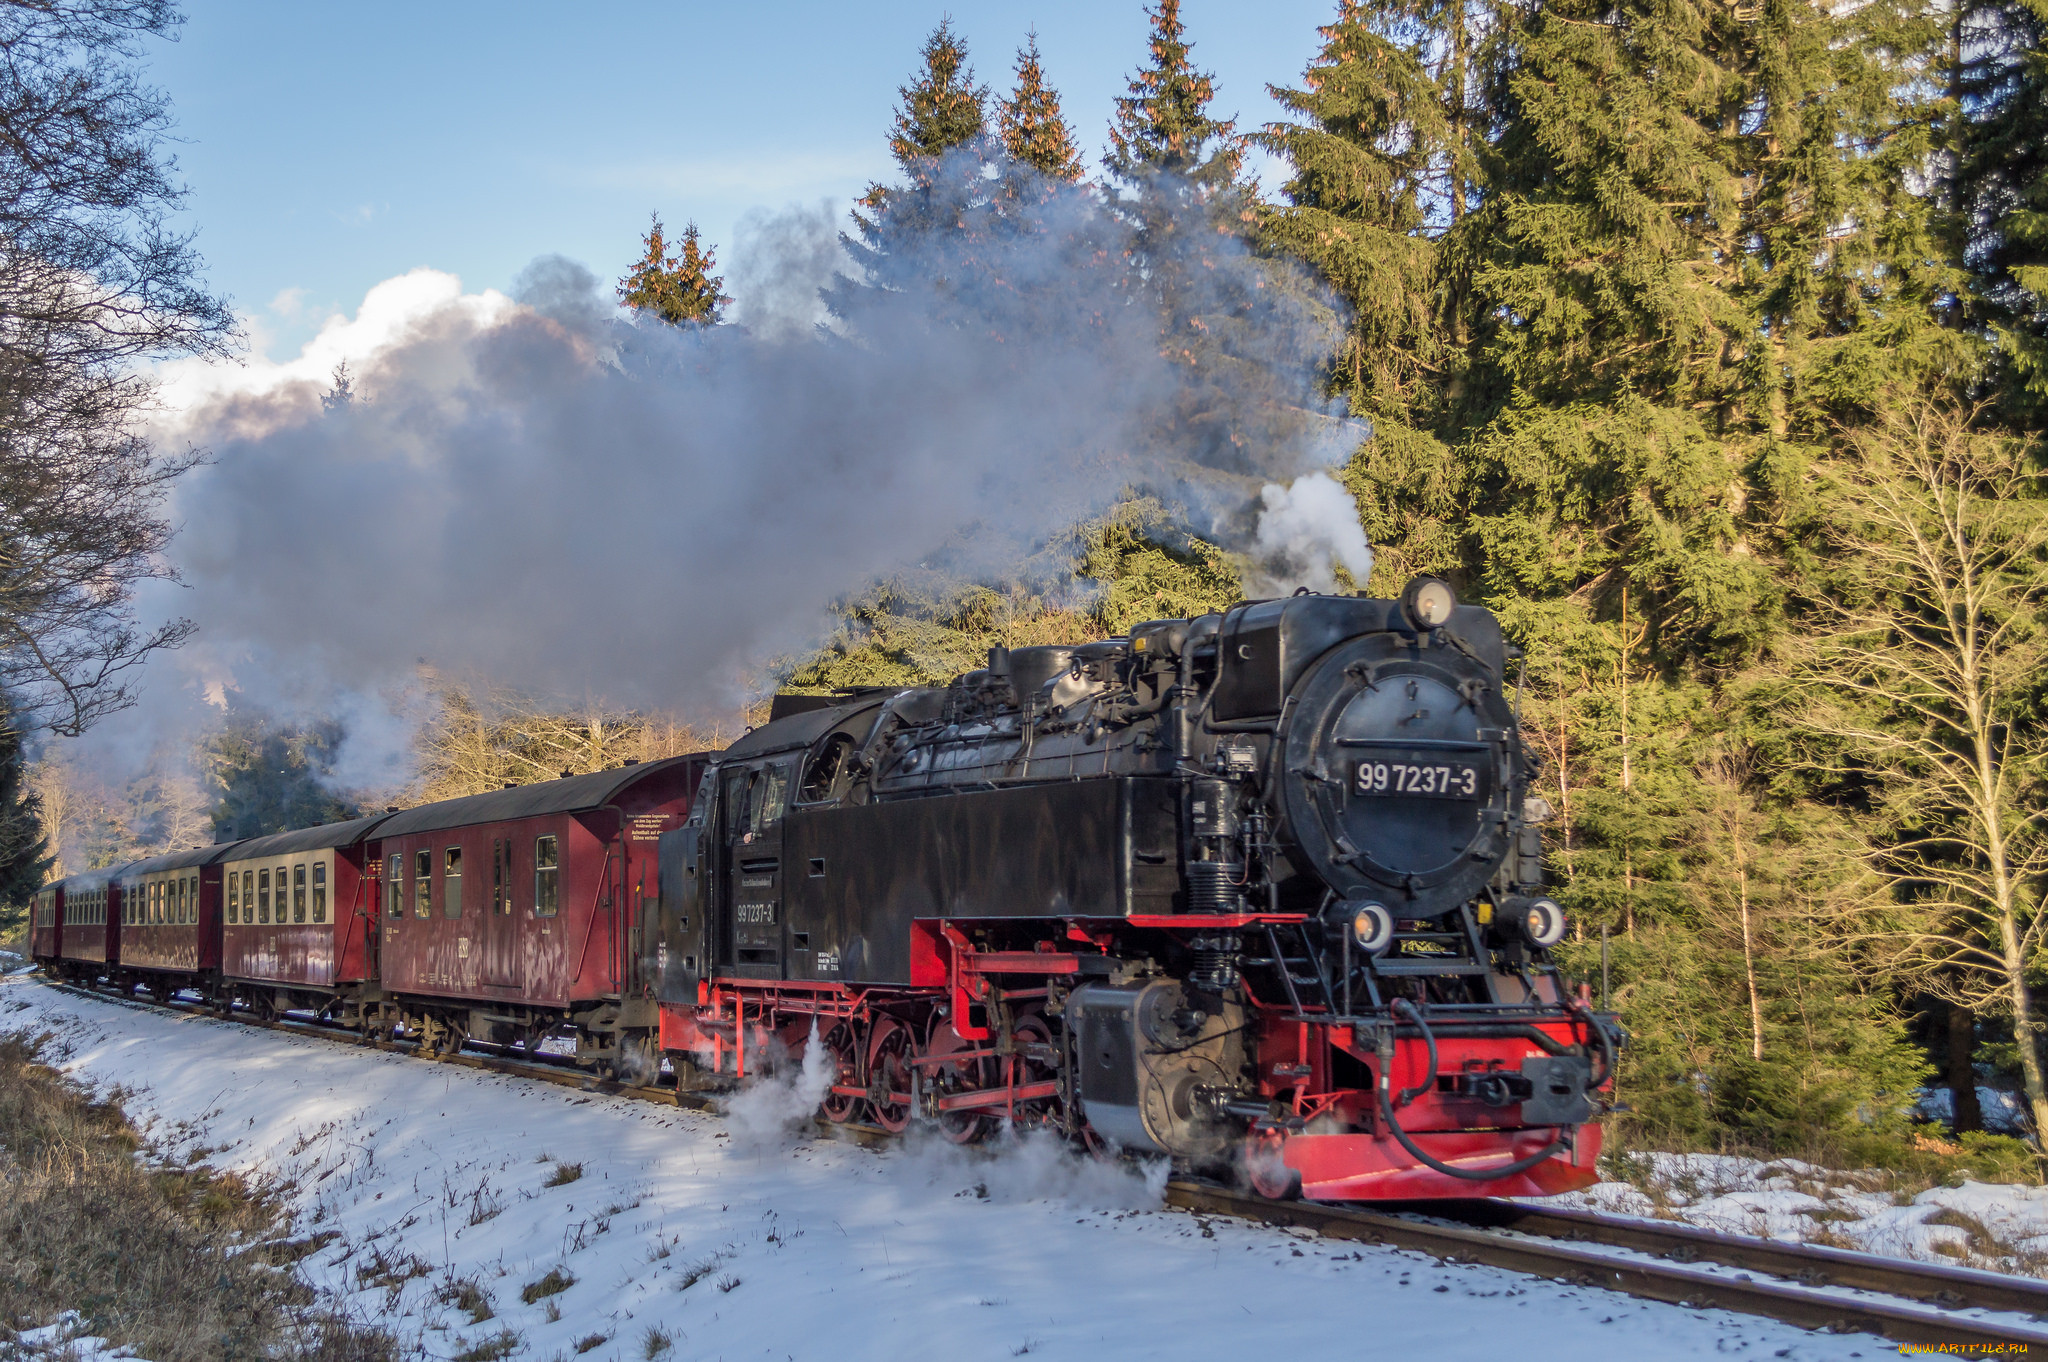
(1706, 343)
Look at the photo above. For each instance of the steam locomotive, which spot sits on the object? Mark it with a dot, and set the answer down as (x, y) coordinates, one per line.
(1257, 889)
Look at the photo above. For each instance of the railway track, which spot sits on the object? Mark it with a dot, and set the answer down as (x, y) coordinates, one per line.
(1923, 1304)
(1959, 1311)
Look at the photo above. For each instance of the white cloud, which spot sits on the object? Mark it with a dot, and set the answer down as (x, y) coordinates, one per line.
(392, 313)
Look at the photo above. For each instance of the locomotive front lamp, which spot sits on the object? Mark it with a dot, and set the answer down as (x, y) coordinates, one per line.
(1542, 923)
(1428, 603)
(1372, 927)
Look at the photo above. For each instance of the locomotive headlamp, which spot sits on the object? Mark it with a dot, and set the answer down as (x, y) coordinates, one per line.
(1542, 922)
(1372, 927)
(1428, 602)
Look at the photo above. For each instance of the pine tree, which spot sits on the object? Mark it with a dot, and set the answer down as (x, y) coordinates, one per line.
(1033, 132)
(678, 289)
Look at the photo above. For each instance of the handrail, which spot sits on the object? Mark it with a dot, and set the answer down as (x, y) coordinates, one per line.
(591, 927)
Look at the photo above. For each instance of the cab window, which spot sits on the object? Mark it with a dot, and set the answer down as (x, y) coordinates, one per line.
(767, 796)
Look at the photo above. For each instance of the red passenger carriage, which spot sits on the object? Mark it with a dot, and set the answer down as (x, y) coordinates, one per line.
(300, 920)
(507, 915)
(46, 926)
(91, 926)
(169, 921)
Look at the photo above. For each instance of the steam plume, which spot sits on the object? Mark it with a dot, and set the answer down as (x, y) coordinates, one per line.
(535, 490)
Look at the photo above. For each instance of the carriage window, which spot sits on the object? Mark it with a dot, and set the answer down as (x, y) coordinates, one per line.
(184, 899)
(320, 891)
(192, 900)
(451, 883)
(394, 889)
(498, 903)
(263, 896)
(234, 897)
(422, 881)
(298, 893)
(546, 877)
(248, 896)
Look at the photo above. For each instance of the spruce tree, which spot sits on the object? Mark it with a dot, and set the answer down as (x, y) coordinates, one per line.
(25, 854)
(1844, 278)
(268, 777)
(678, 289)
(940, 144)
(2001, 192)
(1033, 132)
(1163, 127)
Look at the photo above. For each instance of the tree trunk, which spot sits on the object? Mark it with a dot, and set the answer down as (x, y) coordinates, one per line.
(1961, 1073)
(1628, 869)
(1756, 1008)
(2027, 1030)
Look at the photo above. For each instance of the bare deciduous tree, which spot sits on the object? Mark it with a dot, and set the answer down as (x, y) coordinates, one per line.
(93, 282)
(1921, 680)
(478, 742)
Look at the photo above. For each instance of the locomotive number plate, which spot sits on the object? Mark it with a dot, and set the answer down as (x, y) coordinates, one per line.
(754, 914)
(1417, 780)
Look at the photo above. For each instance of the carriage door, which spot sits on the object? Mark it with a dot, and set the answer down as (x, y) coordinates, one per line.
(503, 965)
(750, 815)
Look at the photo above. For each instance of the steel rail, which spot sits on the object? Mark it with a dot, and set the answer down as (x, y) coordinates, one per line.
(1952, 1288)
(1541, 1241)
(1808, 1306)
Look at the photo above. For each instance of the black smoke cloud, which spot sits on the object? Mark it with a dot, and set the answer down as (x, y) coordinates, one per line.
(565, 501)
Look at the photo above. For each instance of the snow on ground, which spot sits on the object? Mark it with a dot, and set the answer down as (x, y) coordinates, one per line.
(449, 1195)
(1997, 1226)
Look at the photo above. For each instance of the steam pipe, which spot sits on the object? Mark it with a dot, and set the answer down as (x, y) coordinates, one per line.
(1549, 1151)
(1388, 1102)
(1408, 1095)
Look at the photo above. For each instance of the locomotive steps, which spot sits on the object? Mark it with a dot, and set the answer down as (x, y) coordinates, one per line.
(1970, 1312)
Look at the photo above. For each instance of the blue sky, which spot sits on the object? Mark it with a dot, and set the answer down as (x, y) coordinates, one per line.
(329, 147)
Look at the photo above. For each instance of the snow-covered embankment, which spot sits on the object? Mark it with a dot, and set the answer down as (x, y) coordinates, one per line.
(458, 1200)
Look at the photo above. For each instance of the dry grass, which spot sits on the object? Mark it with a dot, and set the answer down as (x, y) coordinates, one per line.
(554, 1284)
(184, 1265)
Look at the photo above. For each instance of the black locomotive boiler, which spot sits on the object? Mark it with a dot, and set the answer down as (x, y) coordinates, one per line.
(1258, 887)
